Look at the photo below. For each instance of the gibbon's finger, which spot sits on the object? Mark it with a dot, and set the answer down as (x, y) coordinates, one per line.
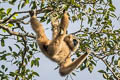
(37, 26)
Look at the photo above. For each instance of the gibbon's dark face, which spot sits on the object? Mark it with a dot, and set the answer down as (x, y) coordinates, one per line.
(72, 42)
(75, 42)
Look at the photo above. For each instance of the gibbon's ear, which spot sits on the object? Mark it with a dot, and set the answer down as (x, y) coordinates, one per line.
(33, 13)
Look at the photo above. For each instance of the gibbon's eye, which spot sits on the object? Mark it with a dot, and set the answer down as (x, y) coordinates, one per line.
(75, 42)
(45, 47)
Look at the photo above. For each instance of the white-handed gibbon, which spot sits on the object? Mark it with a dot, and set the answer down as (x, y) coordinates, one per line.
(60, 47)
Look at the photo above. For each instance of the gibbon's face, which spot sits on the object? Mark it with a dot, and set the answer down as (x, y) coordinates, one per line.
(72, 42)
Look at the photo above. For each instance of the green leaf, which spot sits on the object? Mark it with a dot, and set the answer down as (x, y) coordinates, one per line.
(90, 68)
(34, 5)
(10, 48)
(112, 6)
(12, 1)
(105, 75)
(6, 69)
(12, 74)
(2, 9)
(32, 63)
(101, 71)
(9, 10)
(112, 9)
(26, 1)
(10, 25)
(48, 21)
(35, 73)
(3, 66)
(19, 6)
(73, 74)
(23, 5)
(113, 58)
(17, 46)
(93, 63)
(113, 15)
(15, 54)
(37, 62)
(119, 63)
(2, 42)
(82, 67)
(72, 1)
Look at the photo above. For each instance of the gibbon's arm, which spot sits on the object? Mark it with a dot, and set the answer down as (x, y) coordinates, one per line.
(69, 67)
(37, 26)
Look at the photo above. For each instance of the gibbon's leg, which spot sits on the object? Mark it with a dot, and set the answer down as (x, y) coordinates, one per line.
(56, 44)
(64, 23)
(39, 30)
(62, 28)
(55, 28)
(69, 66)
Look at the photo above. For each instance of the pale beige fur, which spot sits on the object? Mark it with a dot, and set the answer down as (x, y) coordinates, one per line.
(59, 48)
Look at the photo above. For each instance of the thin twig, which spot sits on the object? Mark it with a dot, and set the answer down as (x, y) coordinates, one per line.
(15, 33)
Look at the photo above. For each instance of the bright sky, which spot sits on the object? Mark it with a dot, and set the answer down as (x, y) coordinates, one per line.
(46, 68)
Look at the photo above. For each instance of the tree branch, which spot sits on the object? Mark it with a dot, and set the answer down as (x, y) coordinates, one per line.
(23, 56)
(15, 33)
(24, 17)
(105, 62)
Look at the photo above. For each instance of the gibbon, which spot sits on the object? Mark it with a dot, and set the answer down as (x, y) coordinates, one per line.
(60, 47)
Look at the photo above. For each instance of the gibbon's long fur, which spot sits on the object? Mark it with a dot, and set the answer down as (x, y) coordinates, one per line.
(60, 47)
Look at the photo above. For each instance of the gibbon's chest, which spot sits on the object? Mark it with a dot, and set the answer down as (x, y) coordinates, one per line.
(63, 54)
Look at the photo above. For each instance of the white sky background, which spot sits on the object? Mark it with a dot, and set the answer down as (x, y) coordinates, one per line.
(46, 68)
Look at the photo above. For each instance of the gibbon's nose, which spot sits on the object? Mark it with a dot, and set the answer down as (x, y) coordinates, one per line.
(75, 42)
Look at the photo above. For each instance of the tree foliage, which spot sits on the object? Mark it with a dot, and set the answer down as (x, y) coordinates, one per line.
(98, 32)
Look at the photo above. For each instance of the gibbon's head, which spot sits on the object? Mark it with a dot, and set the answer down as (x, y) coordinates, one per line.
(72, 42)
(32, 13)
